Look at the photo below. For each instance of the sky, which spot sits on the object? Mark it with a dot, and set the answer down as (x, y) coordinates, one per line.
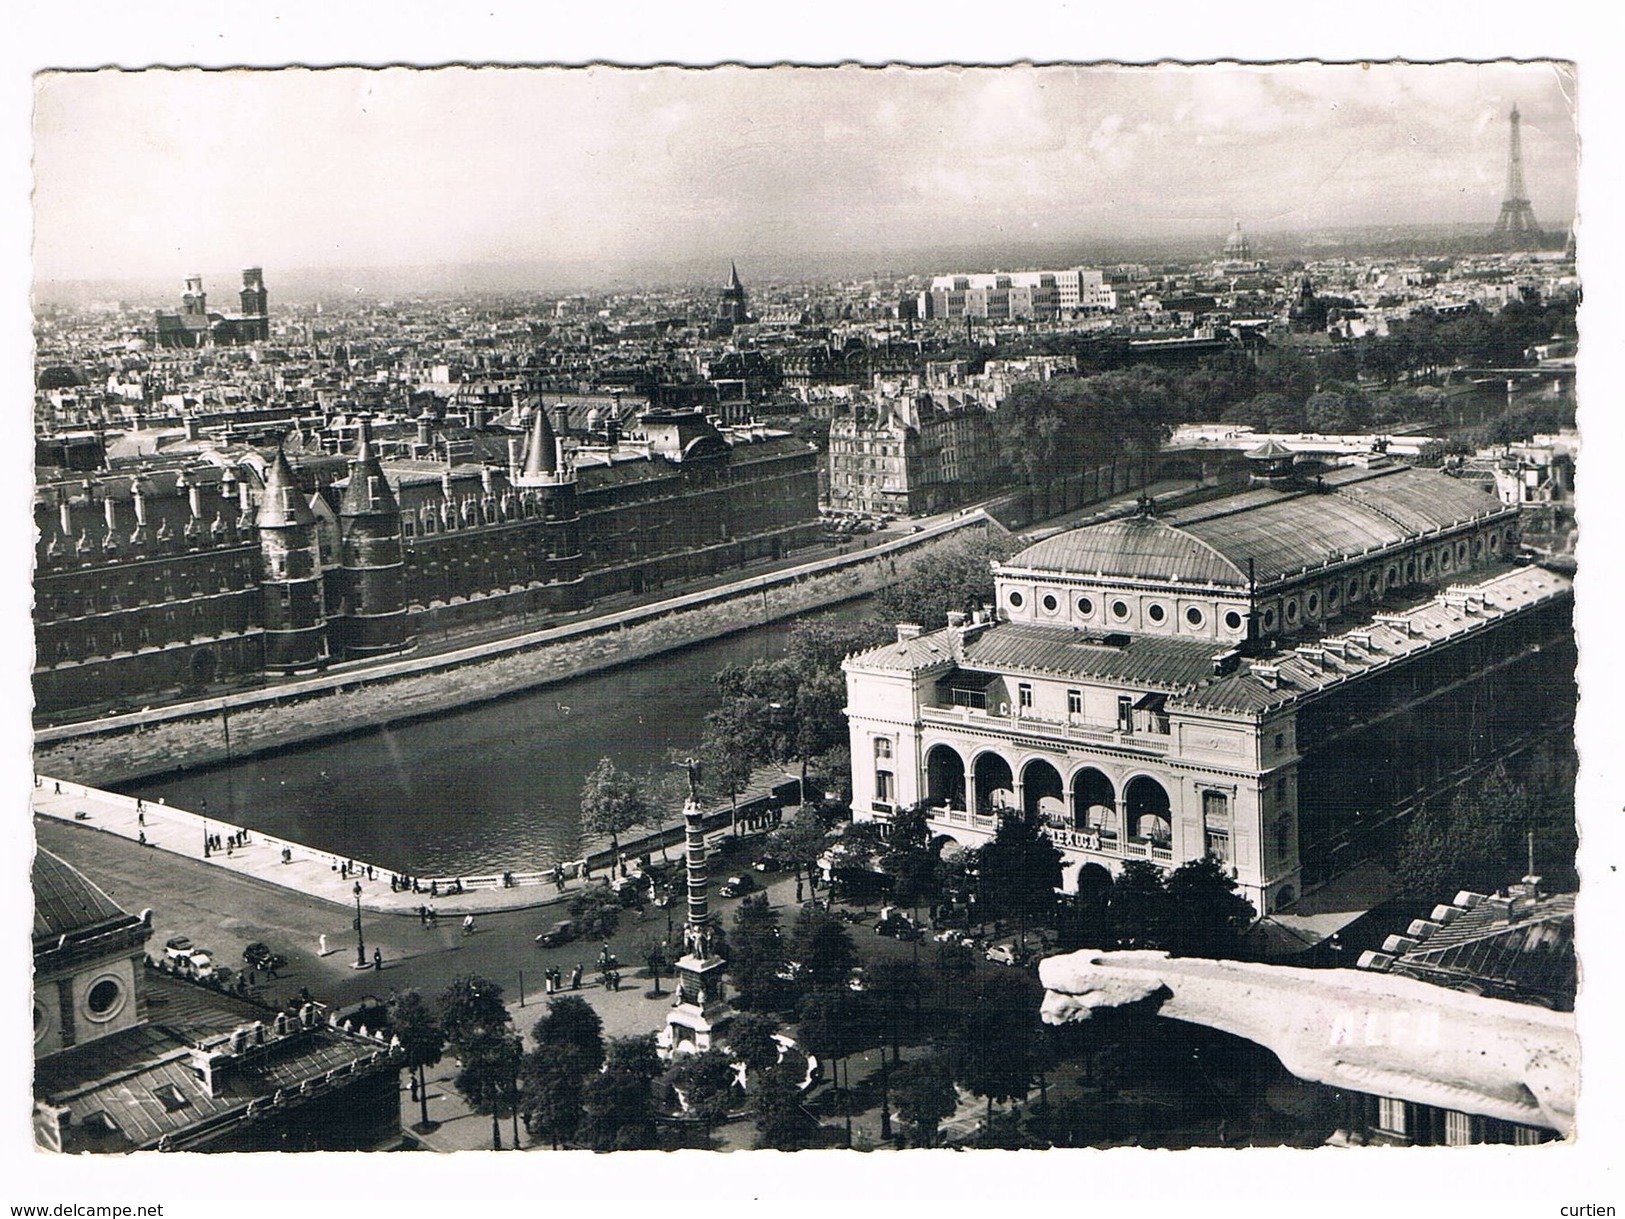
(162, 172)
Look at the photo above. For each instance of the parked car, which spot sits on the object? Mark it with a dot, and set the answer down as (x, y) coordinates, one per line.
(259, 956)
(738, 886)
(561, 932)
(768, 863)
(898, 925)
(1006, 954)
(200, 964)
(178, 947)
(951, 935)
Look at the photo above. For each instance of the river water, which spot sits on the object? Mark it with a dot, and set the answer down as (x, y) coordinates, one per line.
(493, 787)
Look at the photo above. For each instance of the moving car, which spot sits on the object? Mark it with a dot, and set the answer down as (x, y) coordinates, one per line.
(738, 886)
(259, 956)
(561, 932)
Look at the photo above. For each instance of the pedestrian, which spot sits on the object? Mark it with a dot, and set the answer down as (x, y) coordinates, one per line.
(228, 850)
(141, 818)
(547, 980)
(575, 977)
(58, 786)
(798, 891)
(414, 1080)
(423, 916)
(378, 958)
(142, 837)
(468, 924)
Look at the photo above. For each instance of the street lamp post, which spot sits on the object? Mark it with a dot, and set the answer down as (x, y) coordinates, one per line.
(360, 944)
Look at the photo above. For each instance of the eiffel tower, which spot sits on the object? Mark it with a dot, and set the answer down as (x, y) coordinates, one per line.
(1517, 218)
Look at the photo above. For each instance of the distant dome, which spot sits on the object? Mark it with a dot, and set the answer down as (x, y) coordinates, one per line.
(1236, 245)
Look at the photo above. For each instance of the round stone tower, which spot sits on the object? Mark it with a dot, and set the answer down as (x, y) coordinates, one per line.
(372, 614)
(548, 480)
(293, 607)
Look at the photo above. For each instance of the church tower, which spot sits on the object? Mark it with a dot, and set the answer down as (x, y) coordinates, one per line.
(732, 304)
(294, 609)
(371, 620)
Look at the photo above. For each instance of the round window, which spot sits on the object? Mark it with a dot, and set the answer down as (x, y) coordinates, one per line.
(1232, 620)
(104, 999)
(1291, 611)
(1444, 560)
(1354, 588)
(1410, 570)
(1478, 548)
(1373, 581)
(1332, 595)
(1194, 616)
(1495, 542)
(1427, 565)
(1156, 613)
(1016, 599)
(1269, 619)
(1119, 609)
(1313, 603)
(1085, 606)
(1050, 604)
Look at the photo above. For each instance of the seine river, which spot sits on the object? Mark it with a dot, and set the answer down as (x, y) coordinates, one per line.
(493, 787)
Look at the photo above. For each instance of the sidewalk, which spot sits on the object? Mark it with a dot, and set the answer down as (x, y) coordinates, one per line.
(305, 869)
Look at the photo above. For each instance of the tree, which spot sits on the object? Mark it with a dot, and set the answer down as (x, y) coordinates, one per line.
(924, 1088)
(656, 955)
(1207, 917)
(571, 1023)
(1021, 869)
(801, 841)
(612, 802)
(896, 985)
(489, 1078)
(617, 1104)
(782, 1122)
(824, 948)
(957, 575)
(1137, 910)
(421, 1037)
(751, 1041)
(757, 959)
(704, 1084)
(596, 913)
(855, 861)
(471, 1006)
(552, 1082)
(992, 1049)
(829, 1023)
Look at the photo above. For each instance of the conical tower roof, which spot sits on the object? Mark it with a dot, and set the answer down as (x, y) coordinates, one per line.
(541, 453)
(733, 278)
(368, 491)
(282, 502)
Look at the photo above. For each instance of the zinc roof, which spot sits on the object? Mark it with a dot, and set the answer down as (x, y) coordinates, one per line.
(65, 901)
(1278, 532)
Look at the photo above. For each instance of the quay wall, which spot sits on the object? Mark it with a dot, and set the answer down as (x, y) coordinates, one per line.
(158, 740)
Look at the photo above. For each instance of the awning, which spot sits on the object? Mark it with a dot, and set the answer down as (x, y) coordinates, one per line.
(966, 679)
(1151, 702)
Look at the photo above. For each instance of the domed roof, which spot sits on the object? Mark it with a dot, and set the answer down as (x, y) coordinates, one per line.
(1136, 548)
(65, 902)
(1270, 533)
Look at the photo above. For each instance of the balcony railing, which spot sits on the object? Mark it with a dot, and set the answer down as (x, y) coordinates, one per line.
(1097, 842)
(1072, 730)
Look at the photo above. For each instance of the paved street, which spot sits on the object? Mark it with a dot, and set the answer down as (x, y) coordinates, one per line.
(222, 909)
